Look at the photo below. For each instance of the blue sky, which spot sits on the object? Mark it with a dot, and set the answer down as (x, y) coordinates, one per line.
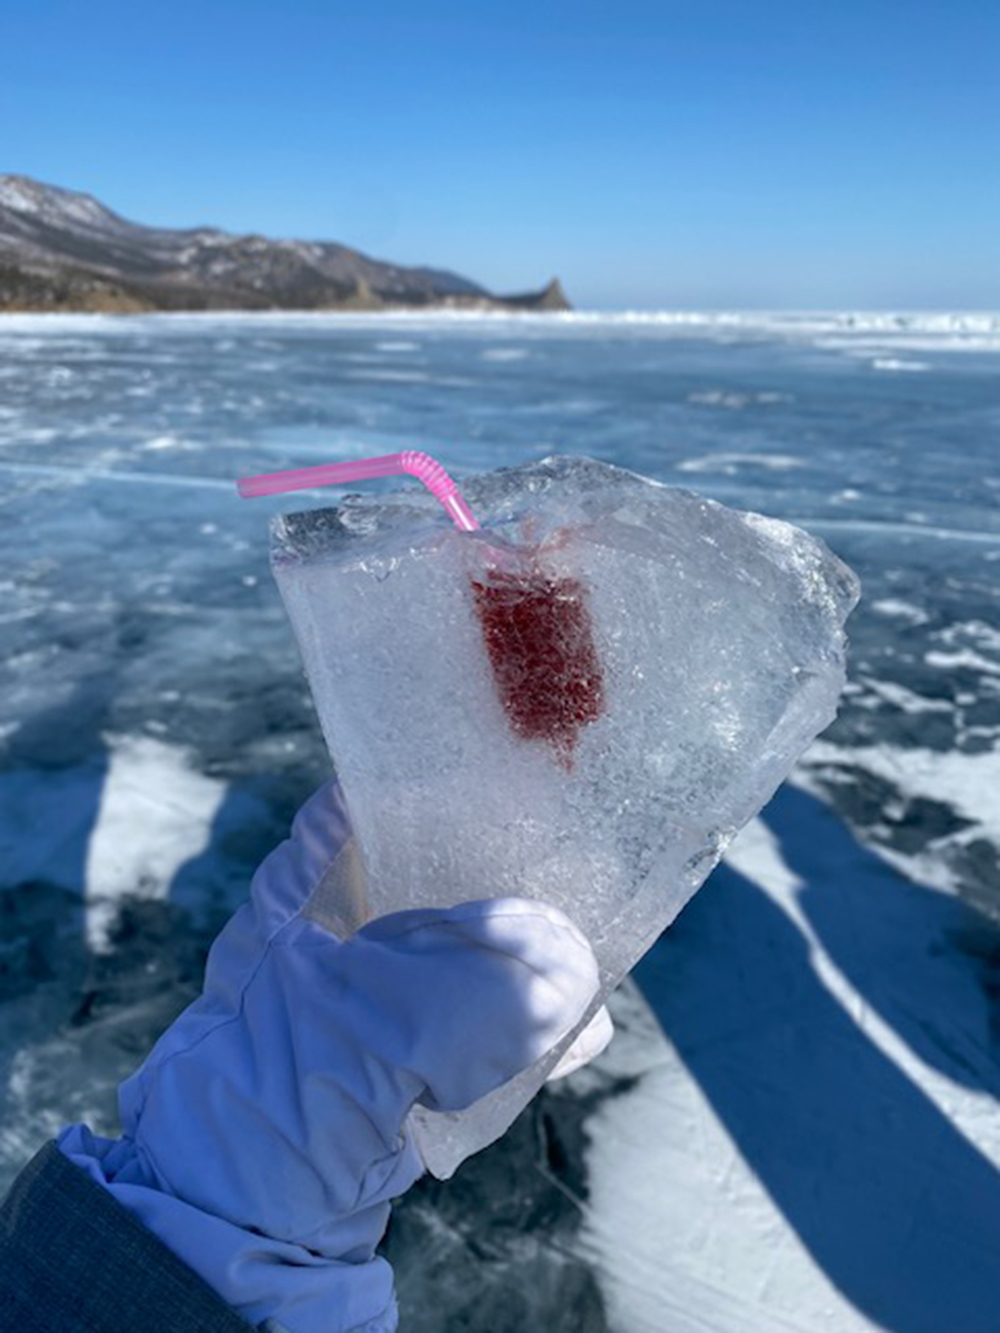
(688, 153)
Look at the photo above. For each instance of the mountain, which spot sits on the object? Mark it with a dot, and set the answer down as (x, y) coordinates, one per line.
(63, 250)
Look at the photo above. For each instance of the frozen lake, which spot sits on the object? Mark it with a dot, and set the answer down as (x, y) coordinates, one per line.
(797, 1127)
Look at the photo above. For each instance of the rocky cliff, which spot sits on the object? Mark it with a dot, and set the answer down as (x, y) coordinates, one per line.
(63, 250)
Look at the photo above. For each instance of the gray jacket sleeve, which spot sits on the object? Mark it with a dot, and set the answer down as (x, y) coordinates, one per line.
(73, 1259)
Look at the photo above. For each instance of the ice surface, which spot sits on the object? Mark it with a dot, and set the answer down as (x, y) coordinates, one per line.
(718, 639)
(128, 612)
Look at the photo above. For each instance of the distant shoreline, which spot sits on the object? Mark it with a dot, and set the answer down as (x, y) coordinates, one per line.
(969, 323)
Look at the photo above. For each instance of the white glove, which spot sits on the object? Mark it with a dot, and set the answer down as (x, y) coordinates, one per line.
(264, 1137)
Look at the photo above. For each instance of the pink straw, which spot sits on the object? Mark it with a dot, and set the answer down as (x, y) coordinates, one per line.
(416, 464)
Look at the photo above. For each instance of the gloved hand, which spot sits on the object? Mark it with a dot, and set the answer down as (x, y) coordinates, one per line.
(264, 1137)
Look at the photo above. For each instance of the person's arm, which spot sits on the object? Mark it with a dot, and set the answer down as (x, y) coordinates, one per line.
(265, 1136)
(73, 1258)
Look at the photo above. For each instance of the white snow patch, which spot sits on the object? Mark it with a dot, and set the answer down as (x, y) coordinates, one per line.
(896, 363)
(390, 376)
(985, 635)
(734, 399)
(907, 701)
(155, 813)
(962, 657)
(506, 354)
(719, 398)
(967, 783)
(730, 463)
(900, 610)
(159, 443)
(14, 194)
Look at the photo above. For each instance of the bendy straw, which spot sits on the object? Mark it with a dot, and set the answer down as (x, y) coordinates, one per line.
(411, 461)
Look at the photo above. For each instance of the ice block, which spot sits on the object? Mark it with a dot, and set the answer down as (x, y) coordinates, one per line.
(583, 701)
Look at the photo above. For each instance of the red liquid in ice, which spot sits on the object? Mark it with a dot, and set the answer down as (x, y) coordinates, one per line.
(538, 636)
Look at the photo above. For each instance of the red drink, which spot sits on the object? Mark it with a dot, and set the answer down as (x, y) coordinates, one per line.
(538, 636)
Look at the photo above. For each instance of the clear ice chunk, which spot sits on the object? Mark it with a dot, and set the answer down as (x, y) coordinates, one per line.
(596, 739)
